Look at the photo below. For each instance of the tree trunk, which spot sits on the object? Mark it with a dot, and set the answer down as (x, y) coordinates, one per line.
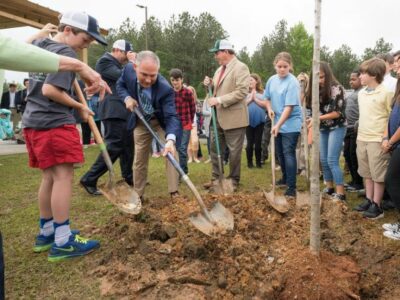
(315, 230)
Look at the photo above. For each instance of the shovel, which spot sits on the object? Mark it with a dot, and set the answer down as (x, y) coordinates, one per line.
(121, 195)
(303, 198)
(222, 186)
(219, 219)
(279, 203)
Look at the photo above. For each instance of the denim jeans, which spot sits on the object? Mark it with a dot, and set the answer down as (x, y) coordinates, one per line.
(331, 143)
(182, 150)
(286, 150)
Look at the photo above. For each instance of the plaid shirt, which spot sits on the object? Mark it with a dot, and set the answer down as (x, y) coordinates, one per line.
(185, 107)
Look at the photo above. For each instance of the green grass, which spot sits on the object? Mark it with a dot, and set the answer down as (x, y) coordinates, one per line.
(29, 275)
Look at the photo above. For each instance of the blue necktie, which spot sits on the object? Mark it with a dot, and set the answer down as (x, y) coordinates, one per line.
(146, 105)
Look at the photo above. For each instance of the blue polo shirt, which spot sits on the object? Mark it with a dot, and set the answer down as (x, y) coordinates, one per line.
(283, 92)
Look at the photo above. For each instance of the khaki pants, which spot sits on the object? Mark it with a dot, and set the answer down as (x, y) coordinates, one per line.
(143, 139)
(15, 118)
(233, 139)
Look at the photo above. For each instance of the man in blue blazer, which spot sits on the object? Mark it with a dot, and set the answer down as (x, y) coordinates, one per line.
(140, 85)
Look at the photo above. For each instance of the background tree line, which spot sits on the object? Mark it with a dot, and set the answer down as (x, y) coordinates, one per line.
(184, 40)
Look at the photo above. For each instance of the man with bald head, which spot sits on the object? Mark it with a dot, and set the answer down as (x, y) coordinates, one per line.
(140, 85)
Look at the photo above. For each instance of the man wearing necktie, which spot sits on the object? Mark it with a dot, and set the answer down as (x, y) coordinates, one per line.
(140, 85)
(230, 86)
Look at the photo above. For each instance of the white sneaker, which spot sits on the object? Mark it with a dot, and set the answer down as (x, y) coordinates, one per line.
(391, 226)
(190, 160)
(208, 161)
(196, 161)
(394, 235)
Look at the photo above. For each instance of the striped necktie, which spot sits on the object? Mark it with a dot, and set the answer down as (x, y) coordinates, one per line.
(146, 105)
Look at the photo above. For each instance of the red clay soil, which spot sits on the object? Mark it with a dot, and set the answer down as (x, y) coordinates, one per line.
(160, 255)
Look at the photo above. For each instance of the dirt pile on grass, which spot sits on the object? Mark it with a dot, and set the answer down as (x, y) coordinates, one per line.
(160, 255)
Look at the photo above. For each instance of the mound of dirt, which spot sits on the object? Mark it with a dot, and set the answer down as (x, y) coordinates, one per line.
(158, 254)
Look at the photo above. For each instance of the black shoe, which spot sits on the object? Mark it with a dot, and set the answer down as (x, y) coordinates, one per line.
(290, 194)
(363, 206)
(354, 188)
(259, 166)
(338, 197)
(129, 182)
(280, 183)
(328, 192)
(174, 195)
(250, 165)
(347, 184)
(374, 212)
(388, 204)
(92, 190)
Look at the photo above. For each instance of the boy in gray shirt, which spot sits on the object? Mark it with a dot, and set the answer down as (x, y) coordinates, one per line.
(53, 141)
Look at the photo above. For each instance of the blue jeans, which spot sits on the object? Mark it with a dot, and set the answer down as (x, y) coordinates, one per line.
(286, 150)
(182, 150)
(331, 143)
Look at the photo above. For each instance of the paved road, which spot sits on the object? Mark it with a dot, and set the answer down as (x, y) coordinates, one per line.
(11, 147)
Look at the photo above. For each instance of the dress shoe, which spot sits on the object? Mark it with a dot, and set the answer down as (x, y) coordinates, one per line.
(92, 190)
(129, 182)
(208, 185)
(174, 195)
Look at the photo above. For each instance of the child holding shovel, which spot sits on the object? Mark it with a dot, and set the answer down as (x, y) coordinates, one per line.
(53, 141)
(282, 92)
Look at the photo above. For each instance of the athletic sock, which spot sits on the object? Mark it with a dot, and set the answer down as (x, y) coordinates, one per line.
(46, 226)
(62, 233)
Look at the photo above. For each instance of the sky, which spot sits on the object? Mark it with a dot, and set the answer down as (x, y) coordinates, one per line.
(356, 23)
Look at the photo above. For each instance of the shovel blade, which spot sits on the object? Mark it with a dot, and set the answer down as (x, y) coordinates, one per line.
(221, 220)
(223, 187)
(123, 197)
(279, 203)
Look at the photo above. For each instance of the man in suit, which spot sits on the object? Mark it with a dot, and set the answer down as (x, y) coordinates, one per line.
(22, 96)
(11, 100)
(113, 113)
(230, 85)
(142, 86)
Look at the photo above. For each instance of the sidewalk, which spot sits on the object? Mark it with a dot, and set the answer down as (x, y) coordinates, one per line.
(11, 147)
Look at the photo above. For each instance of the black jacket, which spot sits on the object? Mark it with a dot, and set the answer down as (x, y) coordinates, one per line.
(5, 100)
(22, 97)
(111, 107)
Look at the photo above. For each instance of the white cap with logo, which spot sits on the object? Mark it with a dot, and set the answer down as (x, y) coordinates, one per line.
(85, 22)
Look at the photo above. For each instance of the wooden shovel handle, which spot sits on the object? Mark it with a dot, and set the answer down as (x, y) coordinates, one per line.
(91, 122)
(273, 155)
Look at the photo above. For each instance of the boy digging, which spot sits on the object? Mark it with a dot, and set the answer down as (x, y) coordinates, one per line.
(53, 141)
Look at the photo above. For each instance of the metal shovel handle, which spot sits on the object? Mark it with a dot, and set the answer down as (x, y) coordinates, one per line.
(176, 165)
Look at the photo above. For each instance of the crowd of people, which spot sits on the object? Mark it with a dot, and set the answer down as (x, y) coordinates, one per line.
(366, 122)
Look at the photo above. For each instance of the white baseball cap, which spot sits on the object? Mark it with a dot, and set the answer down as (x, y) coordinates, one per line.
(85, 22)
(123, 45)
(221, 45)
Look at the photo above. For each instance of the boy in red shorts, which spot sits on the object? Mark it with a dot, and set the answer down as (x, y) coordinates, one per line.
(53, 141)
